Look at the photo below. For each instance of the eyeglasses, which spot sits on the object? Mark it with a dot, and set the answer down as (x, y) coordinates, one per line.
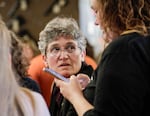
(69, 49)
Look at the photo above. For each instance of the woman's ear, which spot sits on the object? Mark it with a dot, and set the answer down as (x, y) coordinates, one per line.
(45, 60)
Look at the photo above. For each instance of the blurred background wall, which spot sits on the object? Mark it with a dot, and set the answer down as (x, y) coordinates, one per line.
(29, 17)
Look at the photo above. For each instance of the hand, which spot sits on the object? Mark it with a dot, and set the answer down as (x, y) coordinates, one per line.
(70, 90)
(83, 79)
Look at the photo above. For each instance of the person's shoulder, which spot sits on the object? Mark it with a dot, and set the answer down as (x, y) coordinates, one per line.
(124, 43)
(30, 84)
(41, 106)
(36, 100)
(131, 39)
(132, 44)
(139, 43)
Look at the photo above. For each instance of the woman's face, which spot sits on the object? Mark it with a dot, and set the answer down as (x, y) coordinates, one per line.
(64, 56)
(96, 10)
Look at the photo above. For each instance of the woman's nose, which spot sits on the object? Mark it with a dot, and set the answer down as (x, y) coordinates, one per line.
(63, 54)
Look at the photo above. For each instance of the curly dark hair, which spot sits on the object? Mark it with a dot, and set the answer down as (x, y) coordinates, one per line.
(122, 15)
(19, 62)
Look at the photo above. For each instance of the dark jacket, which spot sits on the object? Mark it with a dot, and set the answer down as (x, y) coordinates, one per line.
(59, 105)
(30, 84)
(123, 78)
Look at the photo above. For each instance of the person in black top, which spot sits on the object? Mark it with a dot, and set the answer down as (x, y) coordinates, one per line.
(122, 79)
(63, 47)
(20, 65)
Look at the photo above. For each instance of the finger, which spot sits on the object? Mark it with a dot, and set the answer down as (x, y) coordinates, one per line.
(57, 82)
(72, 76)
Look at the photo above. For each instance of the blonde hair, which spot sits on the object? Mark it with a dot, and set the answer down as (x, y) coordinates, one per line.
(12, 103)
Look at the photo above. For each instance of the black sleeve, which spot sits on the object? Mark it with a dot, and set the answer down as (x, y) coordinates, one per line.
(30, 84)
(122, 86)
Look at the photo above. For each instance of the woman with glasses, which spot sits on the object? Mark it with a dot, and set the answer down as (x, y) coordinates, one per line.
(63, 48)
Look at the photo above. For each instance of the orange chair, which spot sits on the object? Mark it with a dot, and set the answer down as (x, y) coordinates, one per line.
(91, 62)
